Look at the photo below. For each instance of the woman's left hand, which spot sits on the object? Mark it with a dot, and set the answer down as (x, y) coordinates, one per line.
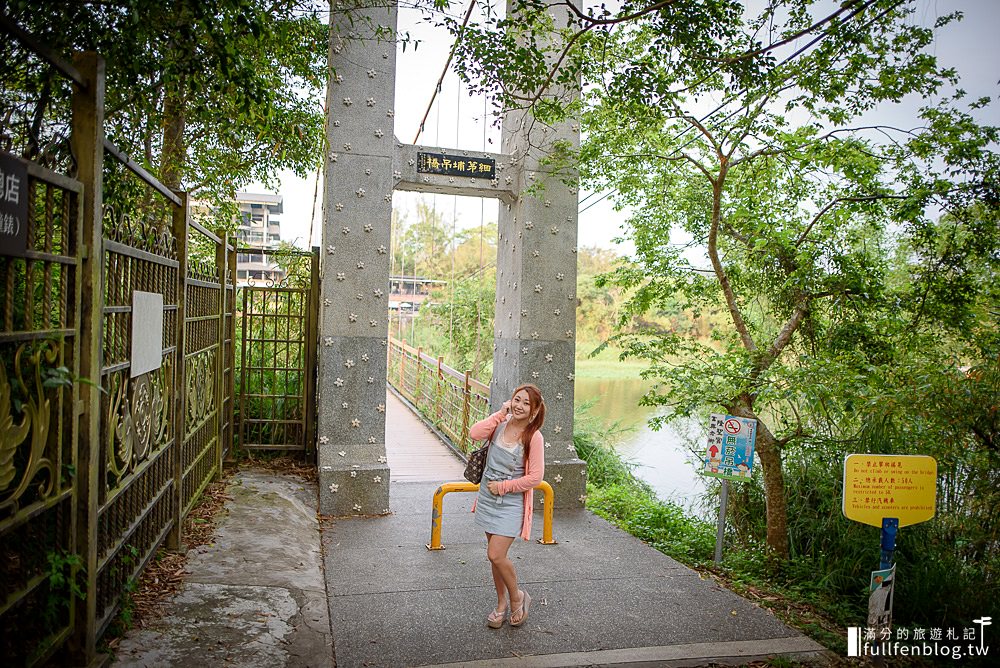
(494, 487)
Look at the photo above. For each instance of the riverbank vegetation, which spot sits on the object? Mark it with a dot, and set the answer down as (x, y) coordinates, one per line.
(818, 177)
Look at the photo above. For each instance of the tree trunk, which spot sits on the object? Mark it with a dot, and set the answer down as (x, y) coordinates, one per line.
(774, 481)
(174, 152)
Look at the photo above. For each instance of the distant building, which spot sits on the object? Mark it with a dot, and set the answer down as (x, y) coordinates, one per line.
(258, 228)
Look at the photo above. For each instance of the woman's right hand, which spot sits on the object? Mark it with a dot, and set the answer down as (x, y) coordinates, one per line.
(506, 407)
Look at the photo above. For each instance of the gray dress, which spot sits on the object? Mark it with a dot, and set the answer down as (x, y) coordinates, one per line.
(501, 515)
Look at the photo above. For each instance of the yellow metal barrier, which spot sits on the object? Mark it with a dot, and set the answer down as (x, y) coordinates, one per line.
(548, 506)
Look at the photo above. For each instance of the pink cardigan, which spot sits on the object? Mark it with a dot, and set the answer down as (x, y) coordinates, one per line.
(534, 466)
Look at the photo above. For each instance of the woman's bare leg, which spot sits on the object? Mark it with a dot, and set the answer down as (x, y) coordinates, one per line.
(504, 575)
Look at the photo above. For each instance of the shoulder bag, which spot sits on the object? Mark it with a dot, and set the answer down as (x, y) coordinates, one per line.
(477, 461)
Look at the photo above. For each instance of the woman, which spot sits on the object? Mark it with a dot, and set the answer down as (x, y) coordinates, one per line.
(515, 464)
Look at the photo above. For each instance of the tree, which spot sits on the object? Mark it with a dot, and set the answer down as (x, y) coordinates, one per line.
(210, 95)
(797, 200)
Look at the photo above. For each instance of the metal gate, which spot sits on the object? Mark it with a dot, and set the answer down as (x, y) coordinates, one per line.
(277, 329)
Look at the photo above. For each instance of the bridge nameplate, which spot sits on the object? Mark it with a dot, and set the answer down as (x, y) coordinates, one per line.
(456, 165)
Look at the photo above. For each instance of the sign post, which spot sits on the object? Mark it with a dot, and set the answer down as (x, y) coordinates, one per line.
(889, 492)
(729, 456)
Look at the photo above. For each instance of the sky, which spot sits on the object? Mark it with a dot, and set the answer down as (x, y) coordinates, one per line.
(458, 120)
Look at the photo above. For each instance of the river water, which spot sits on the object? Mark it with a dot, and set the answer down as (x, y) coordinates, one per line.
(664, 458)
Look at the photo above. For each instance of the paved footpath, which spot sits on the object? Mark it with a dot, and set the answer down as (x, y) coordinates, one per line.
(599, 597)
(280, 586)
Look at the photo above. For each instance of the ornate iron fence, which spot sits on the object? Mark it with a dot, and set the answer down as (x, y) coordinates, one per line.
(103, 449)
(450, 399)
(277, 325)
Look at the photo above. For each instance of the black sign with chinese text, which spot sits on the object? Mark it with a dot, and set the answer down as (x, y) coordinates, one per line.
(456, 165)
(13, 205)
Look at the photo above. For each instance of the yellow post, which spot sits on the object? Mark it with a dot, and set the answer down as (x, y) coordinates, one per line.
(437, 514)
(548, 508)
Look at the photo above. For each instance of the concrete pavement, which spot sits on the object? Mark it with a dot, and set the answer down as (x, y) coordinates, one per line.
(599, 597)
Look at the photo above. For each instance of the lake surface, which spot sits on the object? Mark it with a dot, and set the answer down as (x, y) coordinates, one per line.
(664, 457)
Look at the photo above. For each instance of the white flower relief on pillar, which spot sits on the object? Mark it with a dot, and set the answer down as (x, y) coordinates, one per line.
(339, 382)
(348, 102)
(534, 336)
(548, 358)
(345, 230)
(538, 288)
(354, 474)
(381, 409)
(334, 487)
(330, 250)
(371, 440)
(353, 317)
(342, 453)
(559, 395)
(377, 479)
(371, 74)
(323, 440)
(534, 374)
(370, 102)
(554, 229)
(364, 357)
(348, 364)
(357, 507)
(382, 459)
(371, 380)
(344, 405)
(535, 253)
(369, 227)
(355, 423)
(339, 206)
(360, 192)
(558, 478)
(328, 341)
(557, 429)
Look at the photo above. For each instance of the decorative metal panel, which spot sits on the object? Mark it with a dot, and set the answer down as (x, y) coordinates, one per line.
(277, 326)
(39, 362)
(136, 476)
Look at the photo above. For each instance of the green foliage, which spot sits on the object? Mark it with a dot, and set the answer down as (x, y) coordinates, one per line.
(616, 494)
(236, 109)
(463, 314)
(65, 584)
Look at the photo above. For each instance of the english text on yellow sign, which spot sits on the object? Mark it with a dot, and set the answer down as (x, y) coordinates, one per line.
(879, 486)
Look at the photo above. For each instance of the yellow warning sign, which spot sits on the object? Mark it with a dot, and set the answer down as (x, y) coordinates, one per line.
(900, 486)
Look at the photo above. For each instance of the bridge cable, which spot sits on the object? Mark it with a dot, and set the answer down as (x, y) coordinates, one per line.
(437, 88)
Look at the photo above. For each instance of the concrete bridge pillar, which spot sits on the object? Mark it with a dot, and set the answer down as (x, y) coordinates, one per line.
(534, 331)
(535, 321)
(357, 197)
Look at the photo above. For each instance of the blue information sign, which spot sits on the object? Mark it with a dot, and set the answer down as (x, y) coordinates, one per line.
(730, 447)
